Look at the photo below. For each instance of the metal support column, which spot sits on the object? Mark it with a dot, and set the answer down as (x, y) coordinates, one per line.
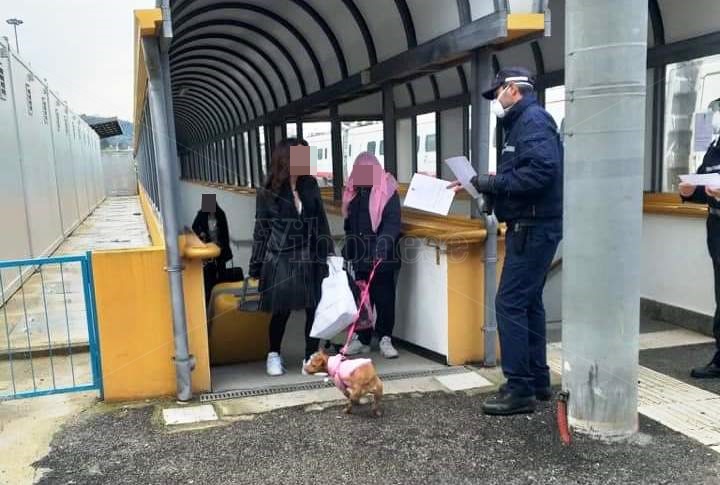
(482, 77)
(389, 129)
(167, 176)
(606, 47)
(337, 152)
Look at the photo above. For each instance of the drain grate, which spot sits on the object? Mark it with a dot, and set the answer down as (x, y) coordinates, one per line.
(322, 384)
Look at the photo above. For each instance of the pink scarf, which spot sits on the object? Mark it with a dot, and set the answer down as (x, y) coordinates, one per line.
(381, 191)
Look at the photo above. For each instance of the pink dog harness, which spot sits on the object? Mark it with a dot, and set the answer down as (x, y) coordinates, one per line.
(341, 368)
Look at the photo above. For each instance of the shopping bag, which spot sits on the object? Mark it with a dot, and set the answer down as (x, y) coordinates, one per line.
(337, 308)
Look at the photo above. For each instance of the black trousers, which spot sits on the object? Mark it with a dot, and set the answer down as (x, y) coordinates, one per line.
(382, 295)
(713, 242)
(278, 322)
(212, 273)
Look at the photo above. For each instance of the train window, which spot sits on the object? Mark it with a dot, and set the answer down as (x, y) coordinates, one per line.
(430, 143)
(417, 143)
(320, 153)
(326, 155)
(349, 150)
(3, 89)
(382, 148)
(371, 147)
(28, 99)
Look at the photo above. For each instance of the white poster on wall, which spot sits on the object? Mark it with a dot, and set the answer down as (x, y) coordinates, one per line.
(703, 131)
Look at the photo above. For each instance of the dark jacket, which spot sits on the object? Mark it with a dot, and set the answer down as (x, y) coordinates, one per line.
(362, 245)
(529, 180)
(279, 228)
(201, 228)
(710, 164)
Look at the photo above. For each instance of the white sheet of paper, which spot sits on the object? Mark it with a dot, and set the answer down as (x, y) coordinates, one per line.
(464, 172)
(429, 194)
(709, 179)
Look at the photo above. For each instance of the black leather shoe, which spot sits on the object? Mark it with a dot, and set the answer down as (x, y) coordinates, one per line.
(710, 371)
(544, 394)
(506, 403)
(541, 394)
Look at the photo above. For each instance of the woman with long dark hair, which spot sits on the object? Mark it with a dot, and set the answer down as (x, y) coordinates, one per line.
(291, 243)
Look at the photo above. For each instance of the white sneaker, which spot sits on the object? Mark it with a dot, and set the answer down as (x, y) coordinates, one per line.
(386, 348)
(274, 365)
(357, 347)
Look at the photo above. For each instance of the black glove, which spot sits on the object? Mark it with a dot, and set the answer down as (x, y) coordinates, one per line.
(484, 183)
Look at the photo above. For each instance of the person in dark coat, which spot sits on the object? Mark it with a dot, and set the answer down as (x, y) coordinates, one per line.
(211, 225)
(711, 197)
(371, 207)
(291, 243)
(528, 196)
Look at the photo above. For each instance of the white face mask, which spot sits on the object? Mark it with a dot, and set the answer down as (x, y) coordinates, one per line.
(716, 122)
(496, 106)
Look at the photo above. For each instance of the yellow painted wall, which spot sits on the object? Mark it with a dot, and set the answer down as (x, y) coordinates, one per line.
(466, 311)
(132, 293)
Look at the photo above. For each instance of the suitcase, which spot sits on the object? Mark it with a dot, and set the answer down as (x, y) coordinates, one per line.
(237, 331)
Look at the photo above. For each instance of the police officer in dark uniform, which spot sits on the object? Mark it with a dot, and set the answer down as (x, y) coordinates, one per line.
(527, 196)
(711, 197)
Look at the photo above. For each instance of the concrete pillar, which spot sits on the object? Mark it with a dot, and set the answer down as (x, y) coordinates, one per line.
(605, 70)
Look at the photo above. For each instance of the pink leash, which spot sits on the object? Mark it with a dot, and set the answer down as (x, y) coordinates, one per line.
(364, 297)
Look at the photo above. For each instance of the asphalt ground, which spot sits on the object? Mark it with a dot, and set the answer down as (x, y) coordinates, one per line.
(426, 439)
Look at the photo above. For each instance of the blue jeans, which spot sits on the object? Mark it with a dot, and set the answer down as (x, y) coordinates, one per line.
(529, 251)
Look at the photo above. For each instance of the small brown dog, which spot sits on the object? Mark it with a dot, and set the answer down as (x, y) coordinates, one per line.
(354, 377)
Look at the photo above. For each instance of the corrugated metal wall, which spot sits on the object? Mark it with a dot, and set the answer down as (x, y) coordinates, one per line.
(50, 164)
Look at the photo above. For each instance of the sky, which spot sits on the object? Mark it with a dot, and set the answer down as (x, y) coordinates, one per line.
(84, 48)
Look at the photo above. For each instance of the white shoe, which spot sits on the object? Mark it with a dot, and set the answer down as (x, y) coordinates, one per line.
(357, 347)
(386, 348)
(274, 365)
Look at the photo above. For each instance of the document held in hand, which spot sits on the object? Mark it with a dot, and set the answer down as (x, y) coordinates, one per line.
(708, 179)
(429, 194)
(464, 172)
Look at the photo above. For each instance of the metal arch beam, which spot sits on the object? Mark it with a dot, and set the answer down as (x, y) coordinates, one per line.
(211, 96)
(435, 87)
(201, 126)
(656, 20)
(198, 104)
(179, 41)
(539, 67)
(249, 105)
(263, 54)
(179, 58)
(463, 79)
(342, 62)
(220, 82)
(202, 61)
(502, 5)
(411, 94)
(228, 93)
(187, 131)
(182, 19)
(195, 117)
(464, 16)
(411, 39)
(364, 30)
(202, 84)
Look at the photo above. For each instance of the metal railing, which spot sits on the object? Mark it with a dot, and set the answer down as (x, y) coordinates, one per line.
(48, 328)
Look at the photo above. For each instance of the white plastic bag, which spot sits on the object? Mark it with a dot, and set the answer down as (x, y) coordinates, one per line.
(337, 308)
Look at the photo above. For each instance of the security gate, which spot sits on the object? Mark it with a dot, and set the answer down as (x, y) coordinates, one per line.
(48, 327)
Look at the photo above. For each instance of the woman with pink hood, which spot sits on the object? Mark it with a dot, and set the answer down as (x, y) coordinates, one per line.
(371, 208)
